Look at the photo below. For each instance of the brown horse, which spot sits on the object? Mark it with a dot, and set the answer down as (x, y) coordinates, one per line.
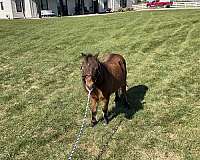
(103, 78)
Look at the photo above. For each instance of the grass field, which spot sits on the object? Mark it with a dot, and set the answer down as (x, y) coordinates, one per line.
(42, 101)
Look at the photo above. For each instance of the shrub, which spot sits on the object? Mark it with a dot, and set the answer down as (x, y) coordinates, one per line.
(120, 10)
(129, 9)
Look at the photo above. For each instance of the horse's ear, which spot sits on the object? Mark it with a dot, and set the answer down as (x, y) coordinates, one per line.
(96, 55)
(83, 55)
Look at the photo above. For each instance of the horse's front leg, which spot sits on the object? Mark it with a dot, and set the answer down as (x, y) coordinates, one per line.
(94, 111)
(105, 110)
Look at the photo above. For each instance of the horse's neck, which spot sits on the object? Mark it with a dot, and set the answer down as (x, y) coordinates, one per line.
(102, 73)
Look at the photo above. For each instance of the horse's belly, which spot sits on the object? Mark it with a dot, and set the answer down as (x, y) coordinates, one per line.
(117, 78)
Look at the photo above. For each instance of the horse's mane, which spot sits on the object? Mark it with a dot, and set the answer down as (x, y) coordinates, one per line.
(89, 55)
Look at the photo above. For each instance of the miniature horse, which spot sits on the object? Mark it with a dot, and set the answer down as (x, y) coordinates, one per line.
(103, 79)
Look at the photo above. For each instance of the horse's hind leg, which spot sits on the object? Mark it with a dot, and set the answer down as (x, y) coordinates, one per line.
(125, 96)
(105, 110)
(117, 98)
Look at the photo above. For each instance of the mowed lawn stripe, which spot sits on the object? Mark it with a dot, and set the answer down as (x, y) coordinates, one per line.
(43, 101)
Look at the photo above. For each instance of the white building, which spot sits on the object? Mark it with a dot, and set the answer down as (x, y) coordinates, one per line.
(25, 8)
(32, 8)
(95, 6)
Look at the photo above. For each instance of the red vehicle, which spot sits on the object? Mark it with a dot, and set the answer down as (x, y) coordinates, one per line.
(159, 3)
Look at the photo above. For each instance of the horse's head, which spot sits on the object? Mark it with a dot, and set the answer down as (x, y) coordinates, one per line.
(90, 70)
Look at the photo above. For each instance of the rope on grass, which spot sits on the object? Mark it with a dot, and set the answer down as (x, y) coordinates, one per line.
(75, 145)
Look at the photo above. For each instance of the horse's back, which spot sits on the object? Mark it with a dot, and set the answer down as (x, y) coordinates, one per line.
(116, 66)
(116, 60)
(113, 58)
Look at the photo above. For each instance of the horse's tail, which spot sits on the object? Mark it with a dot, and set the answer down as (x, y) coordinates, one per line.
(124, 70)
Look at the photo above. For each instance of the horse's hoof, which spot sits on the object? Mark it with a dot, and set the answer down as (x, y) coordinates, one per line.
(93, 123)
(106, 121)
(127, 105)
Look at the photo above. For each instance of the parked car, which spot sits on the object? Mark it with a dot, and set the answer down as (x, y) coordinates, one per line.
(159, 3)
(47, 13)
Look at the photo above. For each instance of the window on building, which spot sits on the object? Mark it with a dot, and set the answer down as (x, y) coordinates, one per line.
(18, 5)
(123, 3)
(1, 5)
(44, 4)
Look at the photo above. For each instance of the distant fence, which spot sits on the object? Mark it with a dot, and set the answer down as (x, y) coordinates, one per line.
(186, 4)
(179, 4)
(187, 0)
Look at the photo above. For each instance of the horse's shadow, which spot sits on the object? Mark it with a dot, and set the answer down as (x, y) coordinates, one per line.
(135, 96)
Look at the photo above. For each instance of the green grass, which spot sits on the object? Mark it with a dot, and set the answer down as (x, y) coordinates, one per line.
(42, 101)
